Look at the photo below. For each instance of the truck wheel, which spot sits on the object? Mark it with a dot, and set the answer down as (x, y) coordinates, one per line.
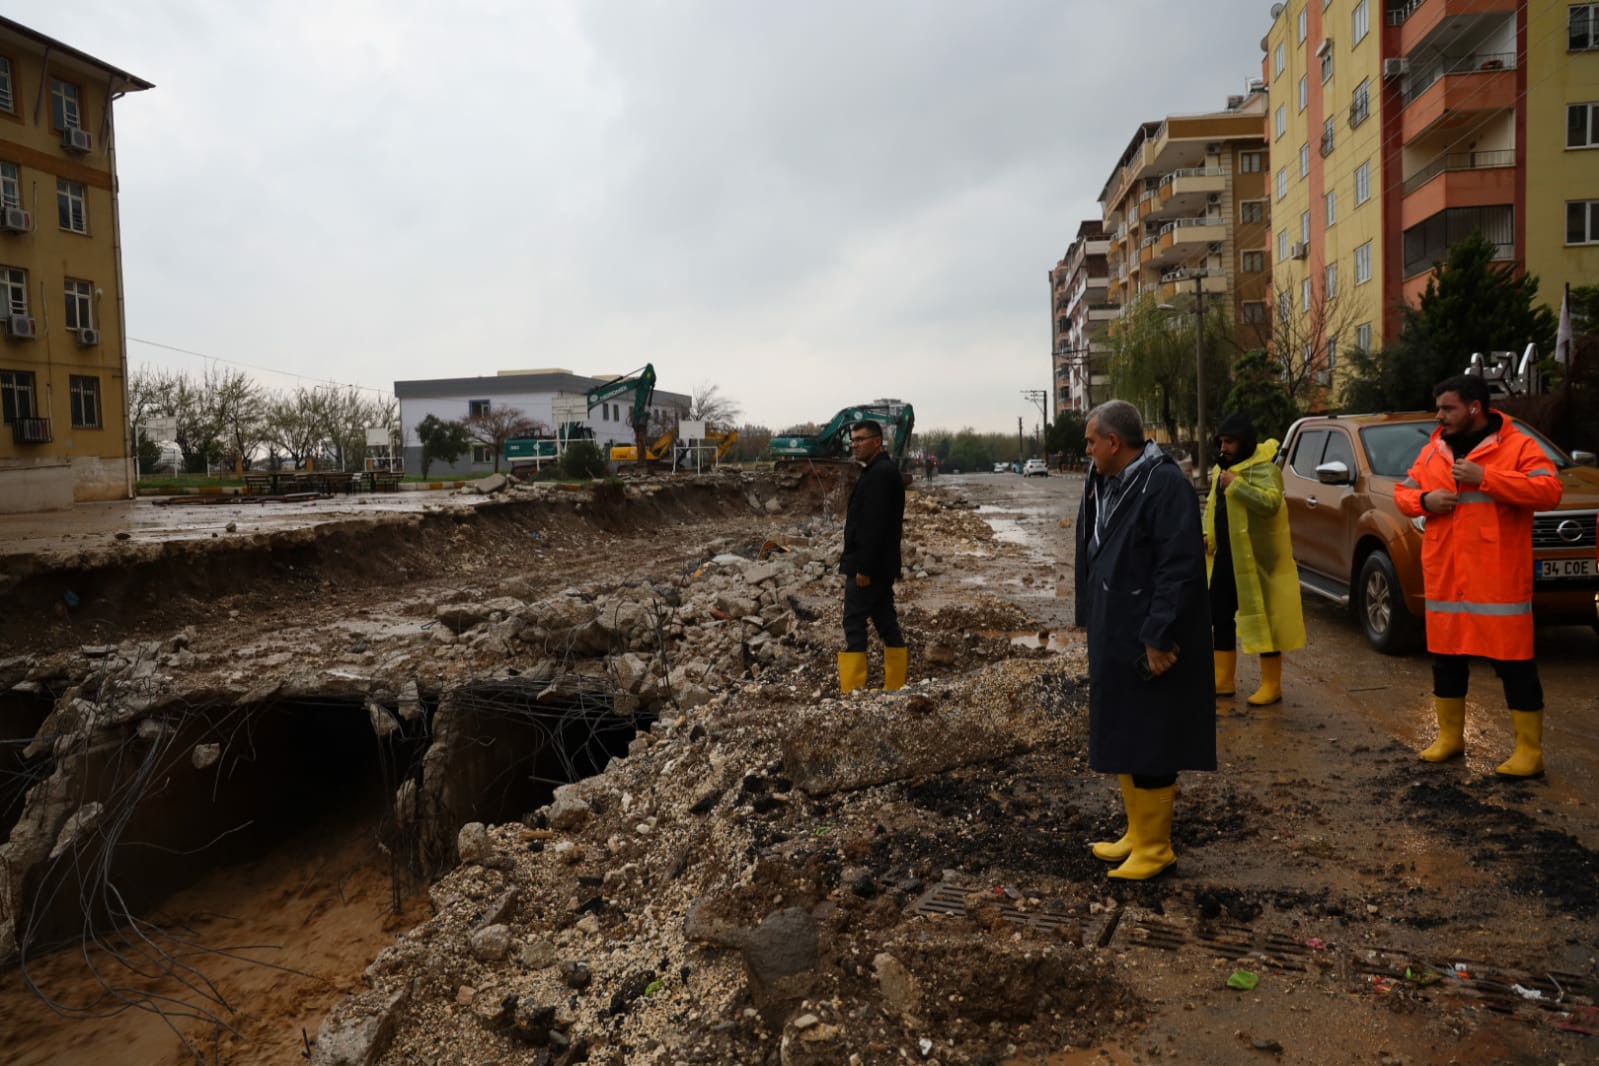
(1380, 606)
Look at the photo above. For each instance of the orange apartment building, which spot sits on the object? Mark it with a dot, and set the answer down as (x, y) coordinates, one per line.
(1187, 199)
(1081, 317)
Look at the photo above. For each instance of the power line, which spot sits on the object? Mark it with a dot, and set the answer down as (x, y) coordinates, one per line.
(252, 366)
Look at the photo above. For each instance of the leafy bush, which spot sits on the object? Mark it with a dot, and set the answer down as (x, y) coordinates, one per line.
(582, 459)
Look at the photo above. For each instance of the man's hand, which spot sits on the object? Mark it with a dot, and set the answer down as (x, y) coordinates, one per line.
(1227, 477)
(1467, 472)
(1440, 501)
(862, 581)
(1159, 661)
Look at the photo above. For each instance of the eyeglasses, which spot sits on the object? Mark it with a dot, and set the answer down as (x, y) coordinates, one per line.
(860, 440)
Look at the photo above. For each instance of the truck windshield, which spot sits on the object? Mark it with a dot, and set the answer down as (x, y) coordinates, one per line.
(1393, 448)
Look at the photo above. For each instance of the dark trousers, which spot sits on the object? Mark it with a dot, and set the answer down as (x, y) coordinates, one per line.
(1163, 781)
(874, 602)
(1224, 605)
(1523, 690)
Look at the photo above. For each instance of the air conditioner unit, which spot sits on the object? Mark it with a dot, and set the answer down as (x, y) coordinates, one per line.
(1213, 148)
(1299, 250)
(88, 336)
(1213, 198)
(21, 327)
(1216, 247)
(1323, 48)
(16, 220)
(76, 140)
(1397, 67)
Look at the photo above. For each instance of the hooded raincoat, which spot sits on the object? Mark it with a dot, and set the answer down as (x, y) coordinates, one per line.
(1270, 616)
(1144, 584)
(1476, 563)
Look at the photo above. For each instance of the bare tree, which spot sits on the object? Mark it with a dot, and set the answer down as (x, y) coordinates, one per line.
(1299, 340)
(499, 424)
(706, 403)
(238, 410)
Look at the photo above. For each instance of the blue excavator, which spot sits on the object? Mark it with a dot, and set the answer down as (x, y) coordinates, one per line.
(831, 442)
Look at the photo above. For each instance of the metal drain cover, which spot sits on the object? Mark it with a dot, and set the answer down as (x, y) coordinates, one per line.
(948, 899)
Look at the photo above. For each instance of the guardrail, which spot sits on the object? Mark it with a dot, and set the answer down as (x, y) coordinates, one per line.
(1420, 81)
(1505, 157)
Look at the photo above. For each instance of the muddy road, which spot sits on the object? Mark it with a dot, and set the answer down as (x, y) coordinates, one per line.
(1392, 912)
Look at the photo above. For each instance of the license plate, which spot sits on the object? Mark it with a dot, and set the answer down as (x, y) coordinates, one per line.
(1555, 569)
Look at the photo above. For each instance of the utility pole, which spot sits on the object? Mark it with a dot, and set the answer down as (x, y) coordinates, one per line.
(1039, 398)
(1020, 447)
(1200, 460)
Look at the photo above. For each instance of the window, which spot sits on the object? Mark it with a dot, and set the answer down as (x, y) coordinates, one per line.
(1360, 22)
(79, 297)
(1582, 221)
(1363, 336)
(1331, 289)
(1338, 446)
(8, 100)
(13, 291)
(85, 402)
(1328, 130)
(1281, 120)
(477, 408)
(64, 111)
(72, 206)
(1429, 241)
(1254, 311)
(16, 394)
(1304, 91)
(1304, 23)
(1363, 183)
(480, 454)
(1251, 162)
(1329, 364)
(1254, 262)
(1326, 62)
(1307, 452)
(1582, 125)
(1360, 103)
(1282, 182)
(1363, 264)
(1332, 206)
(1252, 211)
(1282, 245)
(1304, 227)
(1583, 24)
(10, 185)
(1306, 294)
(1304, 160)
(1279, 58)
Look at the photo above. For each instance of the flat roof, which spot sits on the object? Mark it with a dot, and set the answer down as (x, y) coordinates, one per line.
(500, 384)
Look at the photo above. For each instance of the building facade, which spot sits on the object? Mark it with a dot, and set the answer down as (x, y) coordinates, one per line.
(63, 354)
(1079, 288)
(1185, 206)
(536, 394)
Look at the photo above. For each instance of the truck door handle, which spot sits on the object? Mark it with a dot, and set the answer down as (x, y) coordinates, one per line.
(1310, 501)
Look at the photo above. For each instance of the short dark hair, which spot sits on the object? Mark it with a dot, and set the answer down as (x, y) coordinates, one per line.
(1469, 387)
(867, 426)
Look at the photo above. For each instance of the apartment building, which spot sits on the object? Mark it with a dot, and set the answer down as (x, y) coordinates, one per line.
(1081, 315)
(1186, 206)
(1399, 129)
(63, 359)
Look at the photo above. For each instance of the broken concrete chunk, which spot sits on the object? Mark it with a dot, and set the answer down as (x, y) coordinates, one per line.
(83, 820)
(358, 1031)
(472, 842)
(410, 702)
(205, 755)
(492, 483)
(569, 810)
(383, 722)
(491, 943)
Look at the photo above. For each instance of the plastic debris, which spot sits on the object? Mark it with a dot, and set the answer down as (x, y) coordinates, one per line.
(1421, 976)
(1316, 943)
(1243, 980)
(1528, 993)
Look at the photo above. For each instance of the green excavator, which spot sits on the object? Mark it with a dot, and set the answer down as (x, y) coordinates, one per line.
(831, 442)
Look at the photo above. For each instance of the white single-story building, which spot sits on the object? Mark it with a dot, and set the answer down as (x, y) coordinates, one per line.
(534, 393)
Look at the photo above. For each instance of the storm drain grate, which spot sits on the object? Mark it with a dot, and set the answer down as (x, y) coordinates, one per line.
(948, 899)
(1228, 939)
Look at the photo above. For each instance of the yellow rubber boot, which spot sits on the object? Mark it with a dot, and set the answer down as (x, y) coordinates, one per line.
(851, 671)
(1271, 682)
(1117, 850)
(1451, 742)
(1226, 673)
(1150, 823)
(1527, 760)
(896, 664)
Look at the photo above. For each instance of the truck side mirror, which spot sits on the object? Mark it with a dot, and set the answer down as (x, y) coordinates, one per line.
(1585, 459)
(1333, 473)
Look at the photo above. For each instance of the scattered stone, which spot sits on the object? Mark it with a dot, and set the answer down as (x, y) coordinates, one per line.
(205, 755)
(576, 975)
(491, 943)
(472, 842)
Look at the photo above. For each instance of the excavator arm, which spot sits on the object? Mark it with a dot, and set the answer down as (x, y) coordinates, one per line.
(641, 384)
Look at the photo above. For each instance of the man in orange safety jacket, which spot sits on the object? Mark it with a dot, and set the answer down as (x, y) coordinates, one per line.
(1478, 481)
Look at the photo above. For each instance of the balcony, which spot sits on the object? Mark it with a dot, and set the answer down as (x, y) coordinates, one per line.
(1459, 179)
(1180, 283)
(30, 431)
(1103, 312)
(1191, 189)
(1418, 20)
(1181, 237)
(1454, 89)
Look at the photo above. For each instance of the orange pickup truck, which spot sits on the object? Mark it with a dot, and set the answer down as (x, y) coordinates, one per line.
(1355, 548)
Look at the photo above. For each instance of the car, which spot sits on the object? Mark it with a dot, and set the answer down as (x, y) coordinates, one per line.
(1354, 547)
(1001, 468)
(1035, 468)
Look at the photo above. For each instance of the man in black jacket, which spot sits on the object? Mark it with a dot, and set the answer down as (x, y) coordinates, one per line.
(870, 563)
(1141, 593)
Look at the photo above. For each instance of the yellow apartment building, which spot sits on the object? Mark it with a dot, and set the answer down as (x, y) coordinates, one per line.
(1562, 146)
(1187, 200)
(63, 356)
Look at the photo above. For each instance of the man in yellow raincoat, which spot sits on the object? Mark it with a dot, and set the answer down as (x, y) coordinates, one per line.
(1254, 583)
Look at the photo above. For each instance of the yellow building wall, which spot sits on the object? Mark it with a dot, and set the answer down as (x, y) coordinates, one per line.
(98, 456)
(1556, 174)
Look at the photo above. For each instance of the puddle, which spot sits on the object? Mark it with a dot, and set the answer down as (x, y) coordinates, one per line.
(1050, 640)
(1009, 531)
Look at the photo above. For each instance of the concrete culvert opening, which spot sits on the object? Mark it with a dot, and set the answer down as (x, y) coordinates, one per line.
(22, 711)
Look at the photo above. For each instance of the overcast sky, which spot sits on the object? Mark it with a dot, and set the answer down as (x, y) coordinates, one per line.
(809, 204)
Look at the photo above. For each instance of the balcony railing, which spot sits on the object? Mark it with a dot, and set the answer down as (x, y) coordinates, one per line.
(1195, 172)
(30, 431)
(1505, 157)
(1398, 13)
(1419, 81)
(1179, 223)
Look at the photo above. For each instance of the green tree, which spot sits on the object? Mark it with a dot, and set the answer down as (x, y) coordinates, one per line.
(582, 459)
(1065, 437)
(1154, 362)
(1257, 391)
(1471, 304)
(441, 440)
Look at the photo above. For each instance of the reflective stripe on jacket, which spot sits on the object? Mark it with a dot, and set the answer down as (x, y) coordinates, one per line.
(1270, 616)
(1476, 563)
